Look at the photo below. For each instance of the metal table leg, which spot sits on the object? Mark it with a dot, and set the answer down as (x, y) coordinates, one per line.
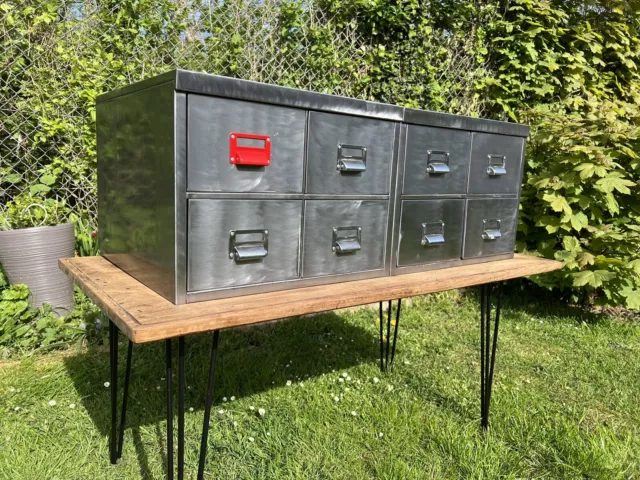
(385, 360)
(113, 366)
(207, 406)
(169, 383)
(181, 389)
(125, 396)
(488, 347)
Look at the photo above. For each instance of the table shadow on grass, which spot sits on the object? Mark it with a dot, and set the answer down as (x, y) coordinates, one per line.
(250, 360)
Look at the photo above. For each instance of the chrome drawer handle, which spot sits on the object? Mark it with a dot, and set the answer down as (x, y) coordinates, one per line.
(489, 233)
(432, 236)
(348, 242)
(497, 165)
(247, 247)
(351, 163)
(437, 162)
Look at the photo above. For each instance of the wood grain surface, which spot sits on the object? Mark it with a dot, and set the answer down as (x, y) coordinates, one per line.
(145, 316)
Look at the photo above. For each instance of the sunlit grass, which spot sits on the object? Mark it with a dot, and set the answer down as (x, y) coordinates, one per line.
(304, 398)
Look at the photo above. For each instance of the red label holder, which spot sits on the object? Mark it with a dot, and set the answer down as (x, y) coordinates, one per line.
(247, 155)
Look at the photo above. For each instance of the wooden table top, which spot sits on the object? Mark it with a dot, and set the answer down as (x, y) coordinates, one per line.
(145, 316)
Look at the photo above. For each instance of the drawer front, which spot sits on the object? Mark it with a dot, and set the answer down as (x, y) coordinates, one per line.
(332, 242)
(264, 247)
(437, 161)
(496, 164)
(490, 227)
(267, 146)
(430, 231)
(349, 155)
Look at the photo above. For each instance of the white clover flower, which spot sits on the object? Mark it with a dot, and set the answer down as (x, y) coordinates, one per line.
(191, 409)
(261, 411)
(354, 413)
(288, 383)
(302, 384)
(52, 403)
(251, 407)
(341, 380)
(406, 362)
(348, 378)
(376, 379)
(389, 388)
(224, 399)
(235, 424)
(221, 412)
(11, 389)
(344, 374)
(72, 405)
(16, 409)
(107, 384)
(251, 439)
(336, 398)
(158, 387)
(232, 398)
(268, 434)
(528, 381)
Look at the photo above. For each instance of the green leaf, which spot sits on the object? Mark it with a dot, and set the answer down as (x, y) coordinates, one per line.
(39, 188)
(571, 244)
(579, 221)
(48, 179)
(557, 202)
(593, 278)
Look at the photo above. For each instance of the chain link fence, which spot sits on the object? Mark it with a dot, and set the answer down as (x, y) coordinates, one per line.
(56, 56)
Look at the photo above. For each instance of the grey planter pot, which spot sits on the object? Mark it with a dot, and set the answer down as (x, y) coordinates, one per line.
(30, 256)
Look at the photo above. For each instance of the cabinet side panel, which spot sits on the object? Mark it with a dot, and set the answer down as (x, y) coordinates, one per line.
(136, 185)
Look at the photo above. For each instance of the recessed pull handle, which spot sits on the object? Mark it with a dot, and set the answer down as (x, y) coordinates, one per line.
(497, 165)
(432, 233)
(437, 162)
(491, 230)
(351, 158)
(346, 239)
(247, 245)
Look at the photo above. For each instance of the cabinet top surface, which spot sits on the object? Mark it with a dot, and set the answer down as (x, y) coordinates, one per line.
(215, 85)
(145, 316)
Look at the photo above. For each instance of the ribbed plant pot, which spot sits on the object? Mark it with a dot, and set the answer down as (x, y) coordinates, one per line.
(30, 256)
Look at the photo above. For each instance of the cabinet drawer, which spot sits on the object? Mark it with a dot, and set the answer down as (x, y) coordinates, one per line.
(349, 155)
(430, 231)
(490, 227)
(344, 236)
(266, 143)
(496, 164)
(436, 161)
(242, 242)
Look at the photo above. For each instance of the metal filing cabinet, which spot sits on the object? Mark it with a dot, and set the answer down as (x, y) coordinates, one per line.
(212, 187)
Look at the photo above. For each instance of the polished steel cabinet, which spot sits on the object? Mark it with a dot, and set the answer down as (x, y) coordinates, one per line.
(344, 236)
(436, 161)
(349, 155)
(491, 226)
(273, 135)
(496, 164)
(242, 242)
(431, 231)
(212, 187)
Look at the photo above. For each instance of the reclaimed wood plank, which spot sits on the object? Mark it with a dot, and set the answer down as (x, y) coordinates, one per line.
(145, 316)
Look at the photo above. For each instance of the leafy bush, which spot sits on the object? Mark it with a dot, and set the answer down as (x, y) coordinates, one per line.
(23, 328)
(573, 72)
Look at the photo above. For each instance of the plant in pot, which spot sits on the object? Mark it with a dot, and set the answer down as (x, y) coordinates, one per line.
(34, 233)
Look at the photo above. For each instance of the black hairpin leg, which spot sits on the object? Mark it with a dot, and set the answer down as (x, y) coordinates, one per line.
(207, 406)
(113, 367)
(125, 396)
(488, 348)
(169, 383)
(385, 360)
(181, 391)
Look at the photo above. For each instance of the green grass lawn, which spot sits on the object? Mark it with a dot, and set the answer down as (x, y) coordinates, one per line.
(566, 401)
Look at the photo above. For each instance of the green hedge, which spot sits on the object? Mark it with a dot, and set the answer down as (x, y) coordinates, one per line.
(568, 68)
